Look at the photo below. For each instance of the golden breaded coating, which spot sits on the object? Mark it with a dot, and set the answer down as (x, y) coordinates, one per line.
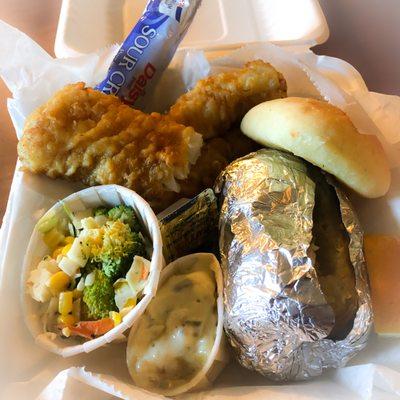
(216, 154)
(85, 135)
(217, 102)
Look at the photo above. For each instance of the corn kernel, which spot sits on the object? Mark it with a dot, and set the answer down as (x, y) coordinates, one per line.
(77, 294)
(76, 309)
(58, 282)
(66, 249)
(65, 303)
(66, 319)
(66, 332)
(116, 317)
(131, 302)
(69, 240)
(57, 252)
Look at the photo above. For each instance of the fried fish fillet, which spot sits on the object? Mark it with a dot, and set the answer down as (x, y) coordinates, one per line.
(216, 154)
(219, 101)
(84, 135)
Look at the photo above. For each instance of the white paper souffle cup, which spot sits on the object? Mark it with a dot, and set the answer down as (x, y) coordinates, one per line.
(219, 355)
(106, 195)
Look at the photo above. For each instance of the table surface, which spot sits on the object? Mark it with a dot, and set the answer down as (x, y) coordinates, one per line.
(363, 32)
(38, 19)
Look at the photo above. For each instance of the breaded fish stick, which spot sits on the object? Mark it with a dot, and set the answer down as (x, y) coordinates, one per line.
(217, 102)
(85, 135)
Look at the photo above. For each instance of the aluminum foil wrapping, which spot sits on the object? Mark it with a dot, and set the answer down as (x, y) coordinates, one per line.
(276, 316)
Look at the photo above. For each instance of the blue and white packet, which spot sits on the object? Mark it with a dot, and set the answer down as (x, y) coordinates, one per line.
(148, 50)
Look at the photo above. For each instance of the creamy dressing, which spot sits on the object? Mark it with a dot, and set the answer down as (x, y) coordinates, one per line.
(176, 334)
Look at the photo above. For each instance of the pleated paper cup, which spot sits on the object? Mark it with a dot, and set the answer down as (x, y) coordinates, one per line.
(219, 355)
(106, 195)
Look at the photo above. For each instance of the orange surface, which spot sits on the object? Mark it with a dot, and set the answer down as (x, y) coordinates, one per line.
(382, 254)
(38, 19)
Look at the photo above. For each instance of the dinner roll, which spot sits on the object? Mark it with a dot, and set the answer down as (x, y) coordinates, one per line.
(325, 136)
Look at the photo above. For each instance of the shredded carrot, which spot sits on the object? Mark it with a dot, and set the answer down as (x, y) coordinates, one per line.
(91, 329)
(145, 273)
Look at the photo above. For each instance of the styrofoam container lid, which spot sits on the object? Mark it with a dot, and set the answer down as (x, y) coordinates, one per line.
(87, 25)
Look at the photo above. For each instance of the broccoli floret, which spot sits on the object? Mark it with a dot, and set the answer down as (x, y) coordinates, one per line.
(120, 245)
(100, 211)
(113, 246)
(99, 297)
(116, 268)
(125, 214)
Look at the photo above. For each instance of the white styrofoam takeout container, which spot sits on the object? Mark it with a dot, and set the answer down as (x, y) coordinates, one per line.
(88, 25)
(298, 24)
(84, 26)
